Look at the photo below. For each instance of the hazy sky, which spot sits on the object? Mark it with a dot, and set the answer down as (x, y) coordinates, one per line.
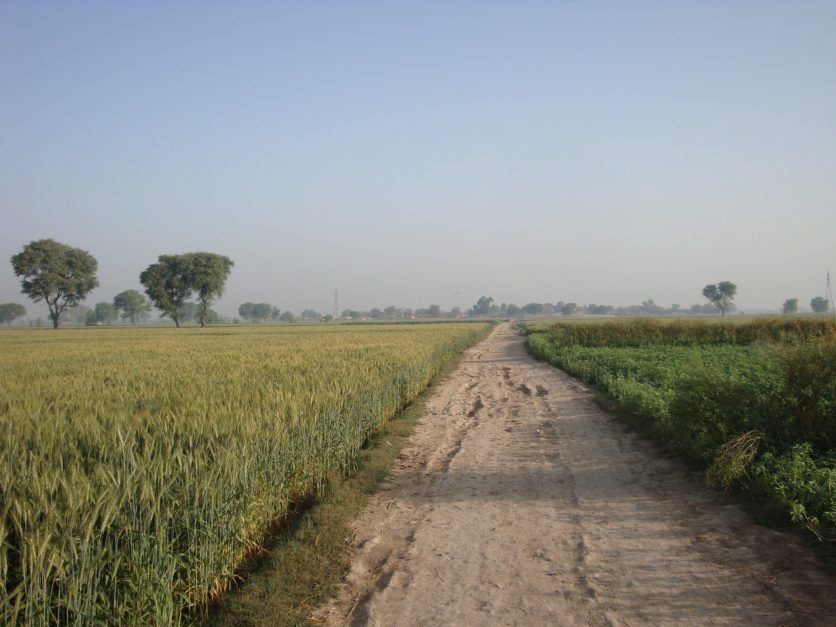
(427, 152)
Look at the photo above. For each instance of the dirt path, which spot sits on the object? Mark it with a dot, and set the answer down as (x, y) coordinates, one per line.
(520, 501)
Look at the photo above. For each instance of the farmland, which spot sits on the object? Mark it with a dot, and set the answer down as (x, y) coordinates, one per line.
(140, 466)
(752, 402)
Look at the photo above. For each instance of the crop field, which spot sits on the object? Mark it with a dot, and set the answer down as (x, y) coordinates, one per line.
(138, 467)
(753, 402)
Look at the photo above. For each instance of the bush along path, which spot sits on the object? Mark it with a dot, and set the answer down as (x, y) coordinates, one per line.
(518, 500)
(754, 404)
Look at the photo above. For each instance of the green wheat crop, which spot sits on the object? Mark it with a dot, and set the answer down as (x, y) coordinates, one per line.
(139, 467)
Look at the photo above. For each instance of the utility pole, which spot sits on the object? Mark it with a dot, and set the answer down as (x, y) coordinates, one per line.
(336, 305)
(828, 293)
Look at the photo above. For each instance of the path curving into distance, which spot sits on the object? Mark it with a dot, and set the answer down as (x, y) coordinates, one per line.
(518, 501)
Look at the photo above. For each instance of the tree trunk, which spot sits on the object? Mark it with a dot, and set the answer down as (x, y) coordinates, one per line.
(177, 323)
(54, 322)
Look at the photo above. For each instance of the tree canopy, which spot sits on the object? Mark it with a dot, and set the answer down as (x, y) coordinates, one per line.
(58, 274)
(255, 311)
(720, 295)
(166, 284)
(483, 306)
(133, 305)
(790, 306)
(819, 304)
(11, 311)
(171, 281)
(206, 274)
(105, 313)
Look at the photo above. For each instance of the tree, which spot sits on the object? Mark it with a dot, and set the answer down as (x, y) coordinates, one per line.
(310, 314)
(533, 309)
(167, 285)
(568, 309)
(483, 306)
(10, 311)
(171, 281)
(790, 306)
(105, 313)
(512, 309)
(287, 316)
(819, 304)
(206, 274)
(245, 310)
(133, 305)
(650, 307)
(255, 311)
(720, 295)
(58, 274)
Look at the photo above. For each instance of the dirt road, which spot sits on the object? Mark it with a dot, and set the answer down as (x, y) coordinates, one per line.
(520, 501)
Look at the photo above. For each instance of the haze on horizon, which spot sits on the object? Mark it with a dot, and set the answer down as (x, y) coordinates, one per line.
(427, 153)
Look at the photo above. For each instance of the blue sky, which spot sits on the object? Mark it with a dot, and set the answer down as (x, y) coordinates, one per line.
(432, 152)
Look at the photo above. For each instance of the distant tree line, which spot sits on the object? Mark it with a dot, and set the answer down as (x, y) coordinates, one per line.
(62, 276)
(184, 286)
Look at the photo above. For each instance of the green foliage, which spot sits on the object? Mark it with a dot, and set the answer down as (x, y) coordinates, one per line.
(55, 273)
(755, 403)
(206, 274)
(171, 281)
(650, 332)
(819, 304)
(105, 313)
(720, 295)
(255, 311)
(134, 480)
(133, 305)
(804, 484)
(809, 395)
(790, 306)
(166, 283)
(11, 311)
(483, 306)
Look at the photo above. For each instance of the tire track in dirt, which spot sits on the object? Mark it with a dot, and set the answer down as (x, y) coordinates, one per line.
(520, 501)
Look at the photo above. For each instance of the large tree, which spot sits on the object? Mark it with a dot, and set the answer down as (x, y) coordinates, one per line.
(105, 313)
(171, 281)
(255, 311)
(206, 274)
(790, 306)
(167, 285)
(133, 305)
(482, 306)
(720, 295)
(819, 304)
(58, 274)
(10, 311)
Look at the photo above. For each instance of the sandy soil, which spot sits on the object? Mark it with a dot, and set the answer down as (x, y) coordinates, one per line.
(520, 501)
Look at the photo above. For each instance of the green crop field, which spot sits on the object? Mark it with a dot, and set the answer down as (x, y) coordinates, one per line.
(138, 467)
(752, 401)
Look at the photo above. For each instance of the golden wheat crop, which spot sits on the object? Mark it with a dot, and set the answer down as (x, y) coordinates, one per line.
(139, 466)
